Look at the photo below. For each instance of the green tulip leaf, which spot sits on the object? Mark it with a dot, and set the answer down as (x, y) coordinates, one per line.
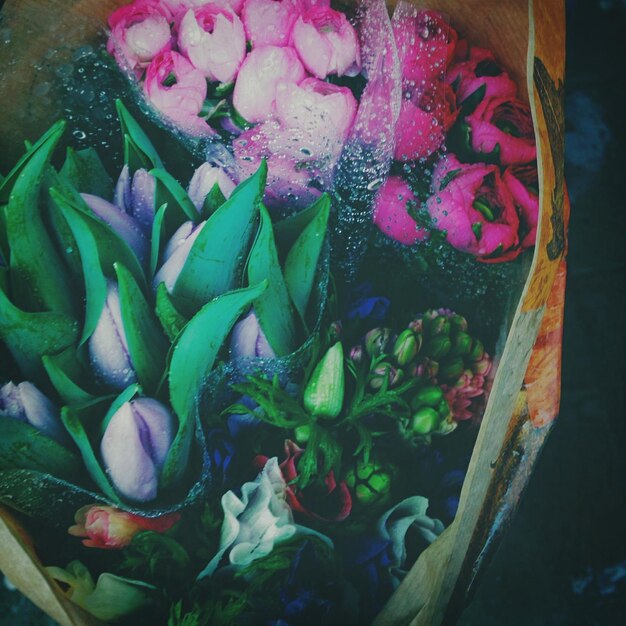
(64, 370)
(136, 142)
(171, 320)
(4, 241)
(70, 416)
(218, 252)
(156, 239)
(38, 278)
(274, 308)
(146, 344)
(22, 446)
(303, 258)
(213, 201)
(84, 170)
(169, 191)
(289, 229)
(192, 358)
(29, 336)
(126, 396)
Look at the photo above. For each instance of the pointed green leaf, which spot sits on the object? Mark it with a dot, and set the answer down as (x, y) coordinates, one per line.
(4, 241)
(64, 370)
(72, 421)
(171, 320)
(213, 201)
(290, 228)
(146, 344)
(157, 237)
(38, 278)
(126, 396)
(84, 170)
(24, 447)
(303, 258)
(274, 308)
(193, 356)
(29, 336)
(137, 138)
(218, 253)
(170, 191)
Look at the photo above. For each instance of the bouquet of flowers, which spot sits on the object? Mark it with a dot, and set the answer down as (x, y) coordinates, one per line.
(220, 400)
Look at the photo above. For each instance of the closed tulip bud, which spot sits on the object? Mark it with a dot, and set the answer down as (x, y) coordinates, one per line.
(385, 371)
(436, 324)
(477, 352)
(437, 347)
(406, 347)
(427, 396)
(108, 346)
(376, 341)
(356, 354)
(24, 402)
(461, 344)
(424, 421)
(135, 446)
(417, 326)
(458, 323)
(135, 196)
(203, 181)
(370, 482)
(451, 370)
(248, 339)
(323, 395)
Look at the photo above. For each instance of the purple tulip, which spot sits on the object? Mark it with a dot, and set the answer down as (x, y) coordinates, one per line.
(108, 346)
(135, 196)
(124, 225)
(176, 254)
(248, 339)
(203, 180)
(26, 403)
(135, 445)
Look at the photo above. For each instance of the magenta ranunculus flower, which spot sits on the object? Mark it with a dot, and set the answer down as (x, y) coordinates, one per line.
(139, 31)
(391, 212)
(480, 69)
(108, 346)
(326, 43)
(424, 120)
(213, 39)
(426, 44)
(135, 196)
(507, 124)
(135, 445)
(475, 208)
(523, 185)
(248, 339)
(255, 89)
(203, 180)
(269, 22)
(177, 89)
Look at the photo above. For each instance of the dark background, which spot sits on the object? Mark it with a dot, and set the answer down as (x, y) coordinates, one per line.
(563, 559)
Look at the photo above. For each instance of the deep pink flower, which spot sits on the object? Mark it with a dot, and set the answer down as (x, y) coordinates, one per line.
(139, 31)
(336, 499)
(474, 207)
(426, 44)
(506, 123)
(391, 214)
(523, 185)
(112, 529)
(213, 39)
(470, 385)
(326, 43)
(269, 22)
(480, 69)
(425, 117)
(262, 70)
(177, 89)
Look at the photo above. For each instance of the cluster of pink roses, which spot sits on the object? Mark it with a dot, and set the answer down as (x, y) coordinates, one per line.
(259, 63)
(456, 98)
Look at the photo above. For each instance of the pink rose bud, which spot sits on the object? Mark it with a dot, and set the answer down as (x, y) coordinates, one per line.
(204, 179)
(506, 123)
(139, 31)
(248, 339)
(124, 225)
(180, 7)
(135, 445)
(136, 196)
(326, 43)
(112, 529)
(176, 254)
(425, 117)
(177, 89)
(108, 346)
(24, 402)
(480, 69)
(523, 184)
(475, 209)
(269, 22)
(426, 44)
(262, 70)
(391, 212)
(212, 38)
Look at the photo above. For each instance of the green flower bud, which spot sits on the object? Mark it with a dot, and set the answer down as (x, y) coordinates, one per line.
(376, 341)
(302, 433)
(370, 482)
(443, 409)
(406, 347)
(356, 355)
(458, 323)
(323, 395)
(436, 324)
(451, 369)
(424, 421)
(477, 351)
(461, 344)
(385, 371)
(437, 347)
(427, 396)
